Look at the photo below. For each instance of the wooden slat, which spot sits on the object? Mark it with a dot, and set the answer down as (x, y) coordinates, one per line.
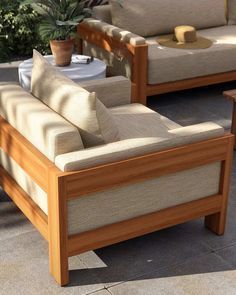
(36, 216)
(29, 158)
(102, 40)
(142, 225)
(145, 167)
(57, 226)
(190, 83)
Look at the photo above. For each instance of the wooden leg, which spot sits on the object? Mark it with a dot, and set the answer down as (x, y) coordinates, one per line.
(58, 266)
(138, 96)
(139, 74)
(233, 126)
(216, 222)
(57, 227)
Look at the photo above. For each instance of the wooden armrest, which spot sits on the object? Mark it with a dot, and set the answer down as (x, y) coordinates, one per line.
(112, 31)
(124, 45)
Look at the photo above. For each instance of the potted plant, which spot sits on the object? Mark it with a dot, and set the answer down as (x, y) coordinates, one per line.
(59, 19)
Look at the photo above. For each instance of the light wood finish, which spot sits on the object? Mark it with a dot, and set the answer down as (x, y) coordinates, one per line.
(191, 83)
(57, 226)
(139, 74)
(36, 216)
(135, 227)
(231, 94)
(139, 59)
(63, 186)
(145, 167)
(216, 222)
(34, 163)
(137, 54)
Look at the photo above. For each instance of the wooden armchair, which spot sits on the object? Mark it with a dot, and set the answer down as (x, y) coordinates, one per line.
(81, 199)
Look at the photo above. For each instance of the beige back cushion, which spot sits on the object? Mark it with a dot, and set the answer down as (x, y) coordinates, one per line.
(102, 12)
(73, 102)
(156, 17)
(51, 134)
(231, 7)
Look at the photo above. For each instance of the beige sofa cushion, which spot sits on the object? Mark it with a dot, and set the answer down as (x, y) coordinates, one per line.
(102, 12)
(231, 12)
(73, 102)
(112, 91)
(169, 64)
(50, 133)
(156, 17)
(142, 131)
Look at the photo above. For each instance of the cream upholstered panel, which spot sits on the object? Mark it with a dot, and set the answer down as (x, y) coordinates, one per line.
(169, 64)
(103, 13)
(24, 180)
(50, 133)
(156, 17)
(231, 12)
(71, 101)
(112, 91)
(126, 202)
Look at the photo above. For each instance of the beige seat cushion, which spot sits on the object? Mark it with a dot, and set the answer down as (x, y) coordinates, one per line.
(50, 133)
(156, 17)
(137, 121)
(73, 102)
(169, 64)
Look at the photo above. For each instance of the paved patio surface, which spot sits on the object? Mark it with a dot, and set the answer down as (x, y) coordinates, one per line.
(183, 260)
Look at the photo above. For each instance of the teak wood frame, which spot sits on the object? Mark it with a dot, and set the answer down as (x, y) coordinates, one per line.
(139, 64)
(63, 186)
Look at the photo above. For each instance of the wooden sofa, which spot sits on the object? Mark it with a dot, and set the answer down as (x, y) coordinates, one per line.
(82, 199)
(124, 34)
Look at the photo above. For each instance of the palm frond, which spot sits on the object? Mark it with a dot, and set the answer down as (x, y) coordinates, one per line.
(59, 17)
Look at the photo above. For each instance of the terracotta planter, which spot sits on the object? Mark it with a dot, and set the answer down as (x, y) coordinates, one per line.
(62, 51)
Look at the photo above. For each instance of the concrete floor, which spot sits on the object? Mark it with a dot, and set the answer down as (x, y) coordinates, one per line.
(183, 260)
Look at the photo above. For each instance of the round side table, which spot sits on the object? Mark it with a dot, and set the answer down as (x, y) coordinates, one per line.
(75, 71)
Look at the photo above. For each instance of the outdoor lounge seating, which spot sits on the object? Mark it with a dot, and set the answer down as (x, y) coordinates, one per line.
(124, 34)
(89, 173)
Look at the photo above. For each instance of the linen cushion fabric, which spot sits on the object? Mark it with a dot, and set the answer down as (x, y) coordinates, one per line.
(170, 64)
(73, 102)
(120, 94)
(50, 133)
(126, 202)
(231, 8)
(156, 17)
(103, 13)
(25, 181)
(147, 132)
